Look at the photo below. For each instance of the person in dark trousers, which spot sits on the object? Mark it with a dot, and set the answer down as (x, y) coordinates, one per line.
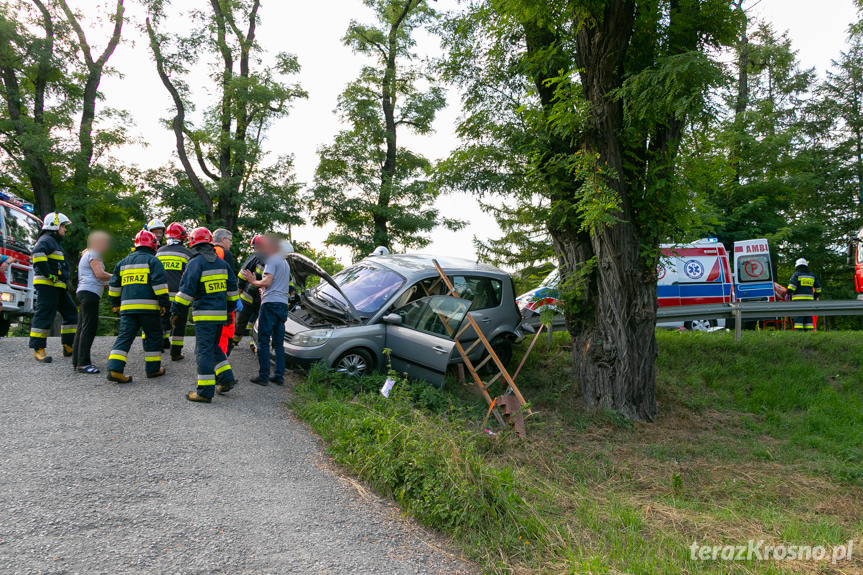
(804, 286)
(249, 294)
(275, 285)
(51, 274)
(209, 286)
(92, 278)
(175, 257)
(138, 292)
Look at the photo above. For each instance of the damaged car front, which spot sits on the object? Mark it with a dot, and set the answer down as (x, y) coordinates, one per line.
(338, 317)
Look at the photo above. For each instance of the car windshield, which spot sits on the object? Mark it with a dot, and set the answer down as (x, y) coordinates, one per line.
(368, 287)
(21, 230)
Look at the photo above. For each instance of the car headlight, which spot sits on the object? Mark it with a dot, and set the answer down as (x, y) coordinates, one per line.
(7, 296)
(312, 338)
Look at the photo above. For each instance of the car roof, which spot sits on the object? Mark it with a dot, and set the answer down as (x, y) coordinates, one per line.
(411, 264)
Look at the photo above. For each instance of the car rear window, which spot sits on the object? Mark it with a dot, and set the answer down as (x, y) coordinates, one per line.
(484, 292)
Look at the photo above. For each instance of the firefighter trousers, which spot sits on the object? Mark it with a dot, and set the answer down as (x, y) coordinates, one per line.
(213, 366)
(175, 335)
(49, 301)
(130, 324)
(246, 317)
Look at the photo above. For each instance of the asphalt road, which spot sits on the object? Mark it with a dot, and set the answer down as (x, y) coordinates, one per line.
(97, 478)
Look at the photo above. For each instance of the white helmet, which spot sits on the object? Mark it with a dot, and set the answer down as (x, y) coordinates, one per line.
(155, 224)
(54, 220)
(380, 251)
(801, 262)
(286, 247)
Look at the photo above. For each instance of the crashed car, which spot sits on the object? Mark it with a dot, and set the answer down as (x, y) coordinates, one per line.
(398, 303)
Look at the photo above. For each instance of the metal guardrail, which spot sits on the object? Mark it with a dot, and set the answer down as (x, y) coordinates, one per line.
(745, 311)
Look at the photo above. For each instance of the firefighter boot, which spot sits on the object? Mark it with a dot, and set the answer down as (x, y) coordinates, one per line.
(193, 396)
(67, 350)
(118, 377)
(224, 388)
(159, 373)
(40, 355)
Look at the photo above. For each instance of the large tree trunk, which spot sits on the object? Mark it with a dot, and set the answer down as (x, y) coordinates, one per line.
(614, 340)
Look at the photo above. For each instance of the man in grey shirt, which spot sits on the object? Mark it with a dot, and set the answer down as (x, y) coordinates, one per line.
(274, 285)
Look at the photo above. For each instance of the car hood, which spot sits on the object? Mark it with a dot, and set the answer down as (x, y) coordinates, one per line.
(303, 267)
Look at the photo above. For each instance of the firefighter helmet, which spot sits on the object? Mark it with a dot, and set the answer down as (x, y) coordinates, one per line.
(176, 231)
(54, 220)
(146, 239)
(200, 236)
(380, 251)
(801, 262)
(155, 224)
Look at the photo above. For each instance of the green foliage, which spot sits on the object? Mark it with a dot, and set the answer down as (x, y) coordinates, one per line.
(375, 192)
(236, 188)
(774, 442)
(431, 467)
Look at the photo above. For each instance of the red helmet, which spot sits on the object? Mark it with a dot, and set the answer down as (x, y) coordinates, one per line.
(176, 231)
(200, 236)
(255, 240)
(145, 239)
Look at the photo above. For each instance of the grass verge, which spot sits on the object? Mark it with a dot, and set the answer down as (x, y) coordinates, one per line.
(759, 441)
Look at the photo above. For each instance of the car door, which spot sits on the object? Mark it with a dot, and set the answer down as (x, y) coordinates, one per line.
(420, 338)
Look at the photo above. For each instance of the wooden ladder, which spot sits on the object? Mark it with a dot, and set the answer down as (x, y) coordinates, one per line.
(508, 415)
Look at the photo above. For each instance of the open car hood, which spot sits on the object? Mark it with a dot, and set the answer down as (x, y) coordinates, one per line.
(302, 268)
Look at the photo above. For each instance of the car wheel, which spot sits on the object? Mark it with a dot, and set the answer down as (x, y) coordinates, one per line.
(700, 324)
(503, 348)
(354, 363)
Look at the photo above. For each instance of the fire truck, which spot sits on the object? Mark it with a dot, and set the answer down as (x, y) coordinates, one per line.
(19, 229)
(855, 260)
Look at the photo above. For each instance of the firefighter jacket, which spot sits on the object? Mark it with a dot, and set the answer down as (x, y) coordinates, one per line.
(804, 285)
(138, 284)
(49, 261)
(174, 258)
(255, 263)
(209, 286)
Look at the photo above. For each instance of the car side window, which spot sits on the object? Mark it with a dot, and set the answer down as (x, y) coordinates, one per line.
(437, 315)
(484, 292)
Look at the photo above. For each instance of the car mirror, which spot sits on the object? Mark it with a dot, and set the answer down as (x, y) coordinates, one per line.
(393, 319)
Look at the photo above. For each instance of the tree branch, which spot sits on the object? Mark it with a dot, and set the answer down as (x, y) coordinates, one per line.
(199, 154)
(179, 123)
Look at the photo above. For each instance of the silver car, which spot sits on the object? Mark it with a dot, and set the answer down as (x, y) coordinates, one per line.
(398, 303)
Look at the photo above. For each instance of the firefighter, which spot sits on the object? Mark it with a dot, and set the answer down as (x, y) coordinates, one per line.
(209, 286)
(249, 294)
(139, 293)
(157, 228)
(175, 256)
(804, 286)
(51, 274)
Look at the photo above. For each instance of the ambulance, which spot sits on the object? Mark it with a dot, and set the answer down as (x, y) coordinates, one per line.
(753, 271)
(696, 273)
(19, 229)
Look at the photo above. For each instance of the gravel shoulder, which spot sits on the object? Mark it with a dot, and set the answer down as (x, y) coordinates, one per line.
(97, 478)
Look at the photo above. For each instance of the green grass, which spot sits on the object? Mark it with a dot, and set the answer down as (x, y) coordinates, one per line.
(754, 441)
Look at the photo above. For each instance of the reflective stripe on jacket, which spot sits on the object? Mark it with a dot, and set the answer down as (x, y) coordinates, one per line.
(174, 258)
(209, 287)
(138, 283)
(803, 285)
(49, 260)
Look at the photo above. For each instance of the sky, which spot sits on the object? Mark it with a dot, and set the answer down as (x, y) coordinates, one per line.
(313, 31)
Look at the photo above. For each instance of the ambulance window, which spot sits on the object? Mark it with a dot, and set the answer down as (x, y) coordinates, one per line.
(859, 248)
(753, 268)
